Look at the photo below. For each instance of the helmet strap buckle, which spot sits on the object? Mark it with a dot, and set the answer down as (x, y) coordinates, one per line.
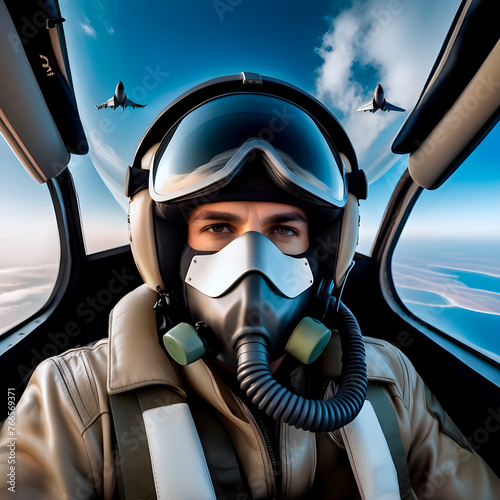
(324, 296)
(165, 311)
(328, 296)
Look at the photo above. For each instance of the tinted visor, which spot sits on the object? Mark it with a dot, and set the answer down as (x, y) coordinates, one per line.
(207, 147)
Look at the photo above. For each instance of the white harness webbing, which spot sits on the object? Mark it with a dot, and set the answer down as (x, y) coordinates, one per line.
(370, 457)
(181, 472)
(180, 469)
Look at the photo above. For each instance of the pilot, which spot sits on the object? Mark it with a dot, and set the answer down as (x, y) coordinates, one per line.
(236, 371)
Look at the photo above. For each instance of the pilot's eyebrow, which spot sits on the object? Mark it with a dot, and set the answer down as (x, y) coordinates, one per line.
(278, 218)
(206, 215)
(283, 217)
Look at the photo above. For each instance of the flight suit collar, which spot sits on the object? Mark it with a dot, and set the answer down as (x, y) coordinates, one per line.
(135, 356)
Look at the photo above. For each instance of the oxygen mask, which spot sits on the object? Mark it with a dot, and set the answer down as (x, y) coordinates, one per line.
(248, 302)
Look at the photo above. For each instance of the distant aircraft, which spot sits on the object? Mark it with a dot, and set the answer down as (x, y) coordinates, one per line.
(379, 102)
(119, 99)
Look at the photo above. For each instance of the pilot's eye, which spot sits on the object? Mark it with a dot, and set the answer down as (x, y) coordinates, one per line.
(217, 228)
(284, 231)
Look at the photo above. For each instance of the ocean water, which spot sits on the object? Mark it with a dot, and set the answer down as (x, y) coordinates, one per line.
(454, 286)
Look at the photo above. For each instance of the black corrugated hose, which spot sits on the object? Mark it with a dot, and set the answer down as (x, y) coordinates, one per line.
(309, 414)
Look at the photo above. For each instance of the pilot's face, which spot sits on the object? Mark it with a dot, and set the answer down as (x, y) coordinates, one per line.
(212, 226)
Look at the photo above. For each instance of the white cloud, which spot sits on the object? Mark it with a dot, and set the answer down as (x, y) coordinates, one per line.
(109, 29)
(23, 291)
(21, 297)
(39, 272)
(338, 53)
(396, 41)
(89, 30)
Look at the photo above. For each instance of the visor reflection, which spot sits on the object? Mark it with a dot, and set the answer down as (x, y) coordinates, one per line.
(199, 152)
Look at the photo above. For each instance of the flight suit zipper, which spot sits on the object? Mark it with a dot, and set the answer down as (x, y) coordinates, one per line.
(262, 433)
(275, 462)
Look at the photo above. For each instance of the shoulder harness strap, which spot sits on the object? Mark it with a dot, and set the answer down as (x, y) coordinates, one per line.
(220, 454)
(390, 427)
(135, 475)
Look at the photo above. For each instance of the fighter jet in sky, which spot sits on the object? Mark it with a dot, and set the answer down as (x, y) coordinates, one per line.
(119, 98)
(379, 102)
